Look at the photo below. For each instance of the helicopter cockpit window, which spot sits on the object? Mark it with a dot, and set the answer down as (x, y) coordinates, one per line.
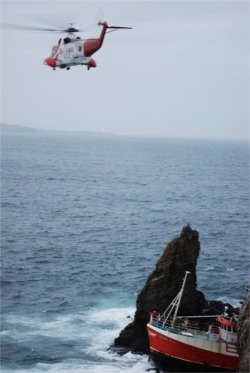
(66, 40)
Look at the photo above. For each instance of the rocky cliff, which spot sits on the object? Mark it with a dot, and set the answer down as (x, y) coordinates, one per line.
(162, 286)
(243, 331)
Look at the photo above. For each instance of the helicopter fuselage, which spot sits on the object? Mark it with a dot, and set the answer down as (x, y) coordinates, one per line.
(73, 51)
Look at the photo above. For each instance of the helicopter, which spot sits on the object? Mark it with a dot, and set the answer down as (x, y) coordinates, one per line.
(71, 50)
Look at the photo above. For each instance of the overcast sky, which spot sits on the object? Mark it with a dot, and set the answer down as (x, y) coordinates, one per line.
(182, 71)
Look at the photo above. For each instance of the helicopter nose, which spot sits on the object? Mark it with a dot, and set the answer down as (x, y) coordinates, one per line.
(49, 62)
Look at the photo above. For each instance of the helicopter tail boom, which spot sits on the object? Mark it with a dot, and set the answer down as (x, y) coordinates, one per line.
(92, 45)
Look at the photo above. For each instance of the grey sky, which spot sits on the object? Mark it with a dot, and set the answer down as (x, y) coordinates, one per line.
(182, 71)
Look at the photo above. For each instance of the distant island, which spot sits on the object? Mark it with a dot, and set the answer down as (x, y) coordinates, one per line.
(15, 128)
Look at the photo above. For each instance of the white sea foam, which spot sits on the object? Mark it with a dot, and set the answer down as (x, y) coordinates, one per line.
(140, 366)
(96, 329)
(232, 301)
(209, 269)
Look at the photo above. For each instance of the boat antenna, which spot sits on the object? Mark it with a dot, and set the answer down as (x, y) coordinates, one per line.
(180, 296)
(174, 304)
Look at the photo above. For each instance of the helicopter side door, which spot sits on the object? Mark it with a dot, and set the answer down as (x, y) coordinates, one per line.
(68, 52)
(78, 51)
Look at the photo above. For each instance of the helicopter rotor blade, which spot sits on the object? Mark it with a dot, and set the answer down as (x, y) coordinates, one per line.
(10, 26)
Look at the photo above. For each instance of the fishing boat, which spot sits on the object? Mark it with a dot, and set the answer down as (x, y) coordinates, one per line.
(201, 342)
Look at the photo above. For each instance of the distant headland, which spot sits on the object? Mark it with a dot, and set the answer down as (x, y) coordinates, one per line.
(16, 128)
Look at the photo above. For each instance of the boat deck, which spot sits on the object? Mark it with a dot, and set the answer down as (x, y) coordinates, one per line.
(206, 331)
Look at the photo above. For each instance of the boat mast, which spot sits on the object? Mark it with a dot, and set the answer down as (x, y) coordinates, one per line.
(179, 297)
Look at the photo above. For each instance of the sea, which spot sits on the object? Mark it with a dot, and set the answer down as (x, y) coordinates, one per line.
(85, 218)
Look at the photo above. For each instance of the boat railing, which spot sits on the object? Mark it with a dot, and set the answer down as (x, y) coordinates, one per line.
(184, 325)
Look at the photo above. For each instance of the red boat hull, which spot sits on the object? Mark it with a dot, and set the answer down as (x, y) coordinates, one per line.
(188, 349)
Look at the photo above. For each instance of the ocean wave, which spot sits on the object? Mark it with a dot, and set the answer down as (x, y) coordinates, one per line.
(89, 334)
(135, 364)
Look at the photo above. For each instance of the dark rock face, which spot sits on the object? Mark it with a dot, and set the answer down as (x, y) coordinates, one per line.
(163, 285)
(243, 331)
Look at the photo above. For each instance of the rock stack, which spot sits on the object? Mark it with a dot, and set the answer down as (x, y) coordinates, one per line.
(162, 286)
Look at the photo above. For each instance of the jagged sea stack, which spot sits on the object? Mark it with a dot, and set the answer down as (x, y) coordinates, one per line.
(162, 286)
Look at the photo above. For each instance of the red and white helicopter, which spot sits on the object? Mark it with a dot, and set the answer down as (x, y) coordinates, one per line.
(71, 50)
